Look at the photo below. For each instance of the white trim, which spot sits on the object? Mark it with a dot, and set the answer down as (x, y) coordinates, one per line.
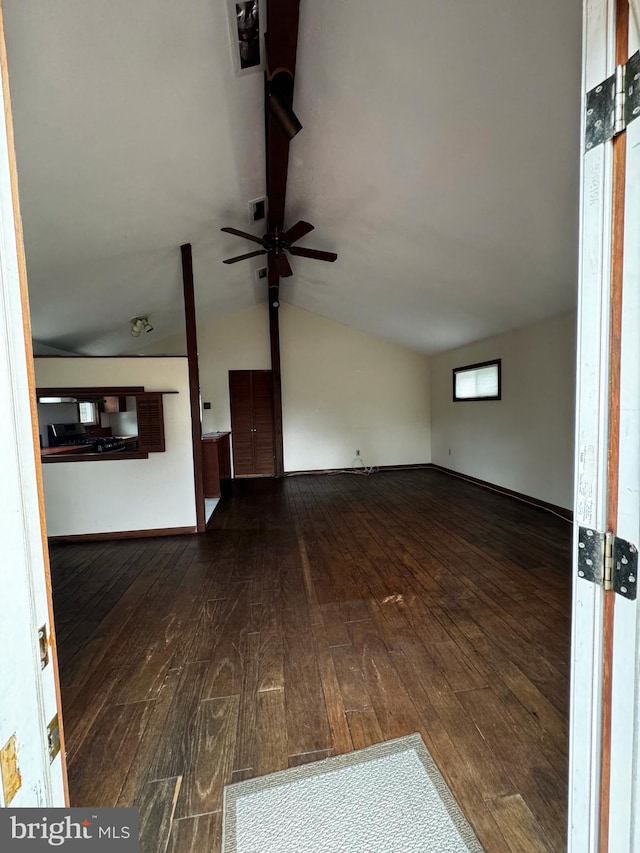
(591, 442)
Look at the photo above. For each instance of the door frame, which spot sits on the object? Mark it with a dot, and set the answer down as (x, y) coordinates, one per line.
(29, 709)
(592, 409)
(604, 723)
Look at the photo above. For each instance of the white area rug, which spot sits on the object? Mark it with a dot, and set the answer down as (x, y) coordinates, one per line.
(388, 798)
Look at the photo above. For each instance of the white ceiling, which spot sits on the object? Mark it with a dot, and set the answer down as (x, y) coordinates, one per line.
(439, 158)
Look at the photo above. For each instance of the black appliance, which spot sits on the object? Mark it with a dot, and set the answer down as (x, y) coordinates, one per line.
(61, 434)
(66, 434)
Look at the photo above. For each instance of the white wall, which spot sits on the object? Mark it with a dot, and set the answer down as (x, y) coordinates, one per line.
(341, 389)
(125, 494)
(523, 442)
(55, 413)
(344, 390)
(236, 342)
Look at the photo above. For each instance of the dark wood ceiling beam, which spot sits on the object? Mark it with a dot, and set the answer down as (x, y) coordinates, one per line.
(281, 46)
(277, 166)
(274, 336)
(282, 34)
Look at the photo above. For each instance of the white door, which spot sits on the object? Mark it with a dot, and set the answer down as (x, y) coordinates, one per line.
(604, 760)
(29, 691)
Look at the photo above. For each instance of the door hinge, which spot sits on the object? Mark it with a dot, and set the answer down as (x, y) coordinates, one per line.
(43, 645)
(607, 560)
(613, 104)
(53, 738)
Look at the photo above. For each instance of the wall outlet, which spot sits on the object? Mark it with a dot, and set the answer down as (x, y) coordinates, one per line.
(357, 453)
(449, 451)
(206, 405)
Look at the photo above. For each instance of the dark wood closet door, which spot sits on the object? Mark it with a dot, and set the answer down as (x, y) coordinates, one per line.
(250, 394)
(241, 421)
(262, 397)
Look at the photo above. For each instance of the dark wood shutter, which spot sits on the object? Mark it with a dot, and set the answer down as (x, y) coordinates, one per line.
(150, 422)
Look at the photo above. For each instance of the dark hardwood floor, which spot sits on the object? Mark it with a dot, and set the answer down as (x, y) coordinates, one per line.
(318, 615)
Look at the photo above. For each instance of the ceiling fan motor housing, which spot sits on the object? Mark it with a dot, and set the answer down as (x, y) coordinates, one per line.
(273, 241)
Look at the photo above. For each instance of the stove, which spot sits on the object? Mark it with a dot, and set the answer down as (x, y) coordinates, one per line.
(64, 435)
(107, 444)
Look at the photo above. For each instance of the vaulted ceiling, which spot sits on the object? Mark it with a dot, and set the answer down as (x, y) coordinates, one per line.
(439, 157)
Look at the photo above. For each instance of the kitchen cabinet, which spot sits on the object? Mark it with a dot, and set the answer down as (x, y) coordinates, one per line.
(216, 463)
(111, 405)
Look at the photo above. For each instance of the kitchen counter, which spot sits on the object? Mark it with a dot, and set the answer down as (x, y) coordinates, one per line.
(87, 453)
(67, 448)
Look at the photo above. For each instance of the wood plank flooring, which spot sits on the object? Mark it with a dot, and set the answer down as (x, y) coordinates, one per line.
(318, 615)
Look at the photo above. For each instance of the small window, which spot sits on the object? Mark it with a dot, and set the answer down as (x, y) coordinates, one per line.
(477, 381)
(88, 412)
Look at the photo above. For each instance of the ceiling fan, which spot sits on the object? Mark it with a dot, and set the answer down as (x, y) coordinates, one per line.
(276, 243)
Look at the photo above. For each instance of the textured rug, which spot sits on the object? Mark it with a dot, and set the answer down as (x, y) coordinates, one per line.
(387, 798)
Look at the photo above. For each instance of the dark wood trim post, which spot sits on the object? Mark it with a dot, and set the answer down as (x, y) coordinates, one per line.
(274, 337)
(194, 382)
(613, 461)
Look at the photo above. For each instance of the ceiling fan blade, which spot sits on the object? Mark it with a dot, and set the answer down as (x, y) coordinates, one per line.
(297, 231)
(284, 267)
(244, 257)
(313, 253)
(244, 234)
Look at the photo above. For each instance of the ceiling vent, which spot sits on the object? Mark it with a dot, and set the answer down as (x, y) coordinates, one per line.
(257, 209)
(246, 35)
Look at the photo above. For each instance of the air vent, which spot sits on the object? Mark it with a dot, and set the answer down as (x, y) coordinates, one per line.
(246, 35)
(261, 273)
(257, 209)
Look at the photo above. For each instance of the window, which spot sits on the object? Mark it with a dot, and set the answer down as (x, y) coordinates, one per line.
(478, 381)
(87, 424)
(88, 412)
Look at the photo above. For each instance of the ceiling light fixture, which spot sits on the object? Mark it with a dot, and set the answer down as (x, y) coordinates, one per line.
(139, 325)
